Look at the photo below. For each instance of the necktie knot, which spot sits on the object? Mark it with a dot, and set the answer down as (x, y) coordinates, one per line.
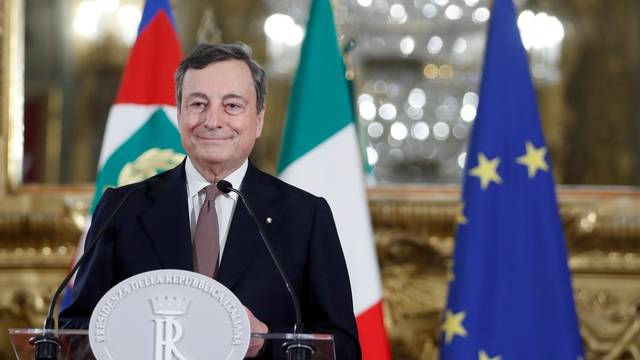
(211, 192)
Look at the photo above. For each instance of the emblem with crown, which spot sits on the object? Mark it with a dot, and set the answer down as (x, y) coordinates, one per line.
(170, 305)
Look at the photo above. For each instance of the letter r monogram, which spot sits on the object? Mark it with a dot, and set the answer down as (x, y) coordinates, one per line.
(168, 333)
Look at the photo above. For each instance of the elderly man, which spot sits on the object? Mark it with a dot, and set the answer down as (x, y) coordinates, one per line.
(221, 104)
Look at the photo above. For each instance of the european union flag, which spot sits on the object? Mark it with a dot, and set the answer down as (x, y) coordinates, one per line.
(510, 296)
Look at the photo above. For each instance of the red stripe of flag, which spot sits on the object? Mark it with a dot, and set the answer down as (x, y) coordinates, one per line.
(373, 338)
(148, 75)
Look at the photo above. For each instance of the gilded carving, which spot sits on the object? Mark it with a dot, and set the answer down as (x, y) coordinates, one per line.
(414, 235)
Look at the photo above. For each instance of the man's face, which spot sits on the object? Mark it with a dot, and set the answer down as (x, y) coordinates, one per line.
(218, 119)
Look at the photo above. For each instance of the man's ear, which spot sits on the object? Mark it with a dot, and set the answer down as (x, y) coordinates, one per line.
(260, 124)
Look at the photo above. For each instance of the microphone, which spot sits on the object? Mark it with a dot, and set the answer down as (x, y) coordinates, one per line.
(295, 350)
(47, 344)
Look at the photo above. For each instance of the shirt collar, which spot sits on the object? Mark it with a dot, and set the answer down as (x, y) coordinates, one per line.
(196, 182)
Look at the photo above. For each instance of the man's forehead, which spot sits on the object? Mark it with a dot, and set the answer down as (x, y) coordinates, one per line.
(220, 79)
(221, 69)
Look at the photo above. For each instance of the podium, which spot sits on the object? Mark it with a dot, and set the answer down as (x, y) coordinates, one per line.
(74, 344)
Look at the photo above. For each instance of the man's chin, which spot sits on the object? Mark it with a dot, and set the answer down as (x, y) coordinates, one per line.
(214, 158)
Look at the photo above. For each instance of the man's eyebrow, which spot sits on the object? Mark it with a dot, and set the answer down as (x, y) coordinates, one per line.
(235, 96)
(196, 94)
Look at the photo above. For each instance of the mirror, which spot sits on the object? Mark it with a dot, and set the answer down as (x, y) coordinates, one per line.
(67, 70)
(418, 69)
(69, 56)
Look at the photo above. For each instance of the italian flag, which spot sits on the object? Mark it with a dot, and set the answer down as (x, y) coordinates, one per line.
(141, 138)
(320, 154)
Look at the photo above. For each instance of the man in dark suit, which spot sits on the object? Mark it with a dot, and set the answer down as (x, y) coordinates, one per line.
(220, 97)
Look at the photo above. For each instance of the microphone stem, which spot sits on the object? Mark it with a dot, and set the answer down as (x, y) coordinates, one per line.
(298, 328)
(50, 322)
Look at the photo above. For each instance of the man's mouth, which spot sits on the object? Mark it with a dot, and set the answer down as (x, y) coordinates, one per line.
(214, 137)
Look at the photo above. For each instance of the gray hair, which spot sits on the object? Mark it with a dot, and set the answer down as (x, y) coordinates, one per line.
(204, 54)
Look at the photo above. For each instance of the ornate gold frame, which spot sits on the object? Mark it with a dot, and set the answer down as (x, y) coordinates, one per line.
(414, 229)
(12, 101)
(414, 226)
(39, 225)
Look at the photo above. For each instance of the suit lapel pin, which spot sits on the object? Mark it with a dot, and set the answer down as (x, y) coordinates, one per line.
(269, 220)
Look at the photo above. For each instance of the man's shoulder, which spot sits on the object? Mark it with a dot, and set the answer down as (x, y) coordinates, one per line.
(114, 195)
(153, 181)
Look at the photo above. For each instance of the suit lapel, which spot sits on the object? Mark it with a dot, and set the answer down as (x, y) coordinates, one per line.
(243, 240)
(166, 221)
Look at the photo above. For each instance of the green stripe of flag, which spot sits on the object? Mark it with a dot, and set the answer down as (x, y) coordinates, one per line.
(320, 104)
(158, 133)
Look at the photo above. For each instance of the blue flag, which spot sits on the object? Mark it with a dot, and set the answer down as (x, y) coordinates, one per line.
(510, 295)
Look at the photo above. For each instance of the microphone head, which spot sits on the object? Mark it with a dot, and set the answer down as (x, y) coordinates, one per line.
(224, 186)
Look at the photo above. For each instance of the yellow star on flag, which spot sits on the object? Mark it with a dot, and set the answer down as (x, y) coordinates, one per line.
(487, 171)
(460, 218)
(534, 159)
(483, 356)
(452, 325)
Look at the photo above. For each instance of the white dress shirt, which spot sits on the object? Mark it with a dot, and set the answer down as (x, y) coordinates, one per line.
(225, 203)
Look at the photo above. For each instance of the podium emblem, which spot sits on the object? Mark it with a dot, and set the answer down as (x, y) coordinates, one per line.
(169, 315)
(168, 329)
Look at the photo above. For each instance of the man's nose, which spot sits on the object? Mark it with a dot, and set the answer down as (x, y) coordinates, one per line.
(213, 117)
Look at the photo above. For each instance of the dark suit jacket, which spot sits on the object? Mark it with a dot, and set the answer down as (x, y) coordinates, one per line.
(151, 231)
